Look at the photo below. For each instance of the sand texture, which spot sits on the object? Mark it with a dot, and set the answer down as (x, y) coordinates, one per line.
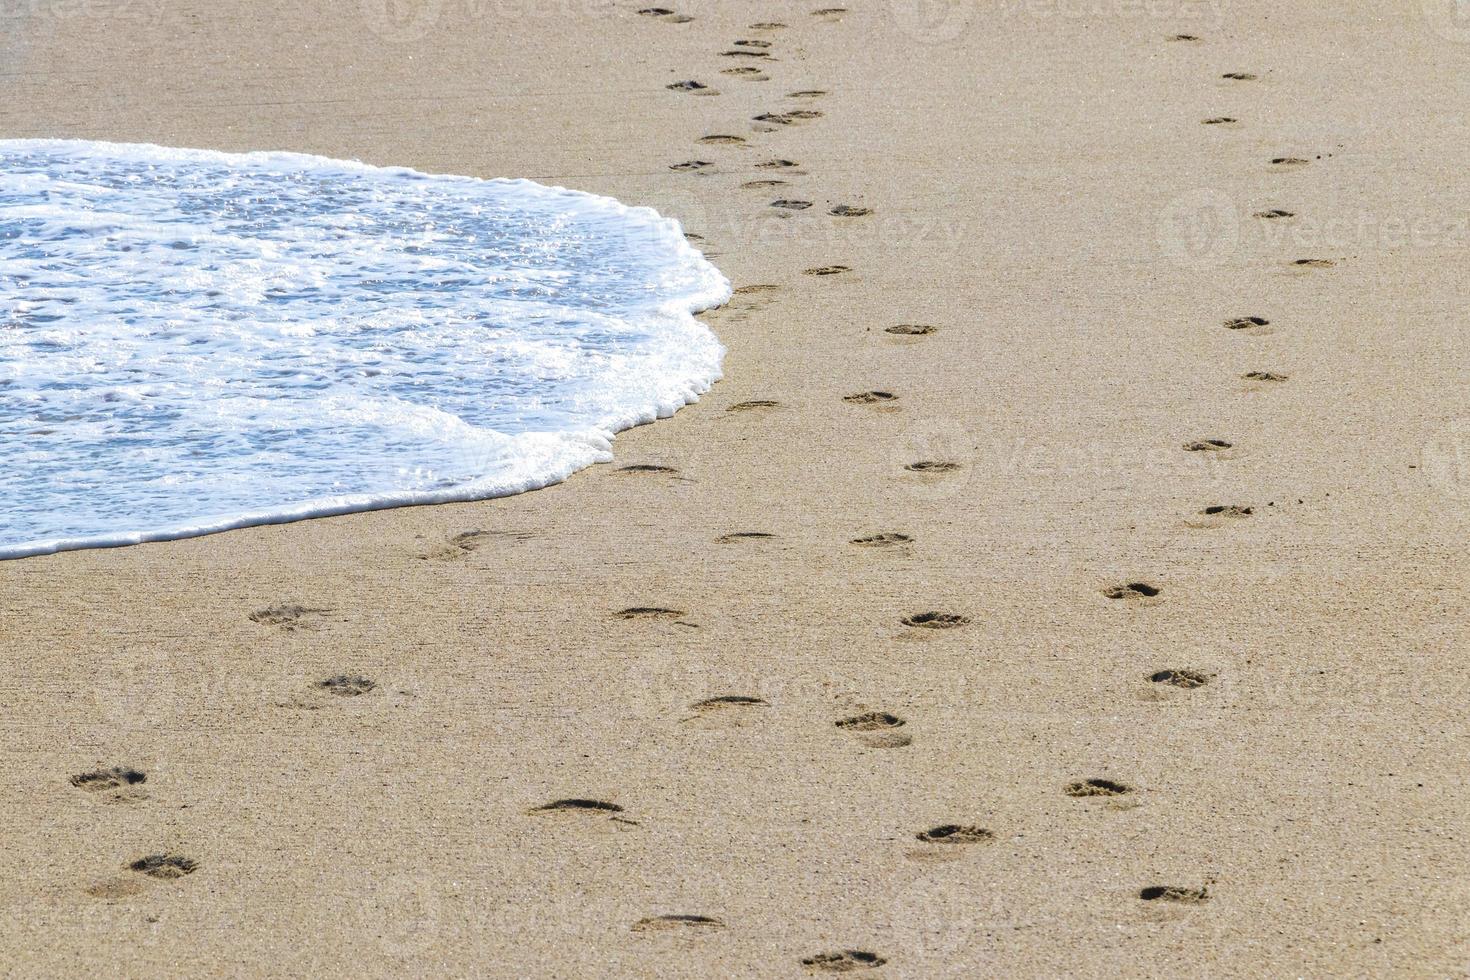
(862, 663)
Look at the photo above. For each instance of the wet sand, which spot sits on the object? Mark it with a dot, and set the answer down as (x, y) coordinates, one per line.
(360, 734)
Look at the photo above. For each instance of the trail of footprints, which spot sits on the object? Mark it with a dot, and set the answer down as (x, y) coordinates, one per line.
(875, 729)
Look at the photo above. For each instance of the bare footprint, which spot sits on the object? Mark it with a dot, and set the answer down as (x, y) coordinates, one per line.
(679, 923)
(1239, 76)
(886, 539)
(1219, 121)
(1097, 787)
(910, 329)
(665, 14)
(843, 961)
(166, 866)
(726, 711)
(468, 542)
(747, 73)
(346, 685)
(1288, 162)
(827, 270)
(932, 466)
(791, 205)
(849, 211)
(955, 835)
(1264, 376)
(649, 612)
(1174, 893)
(1275, 214)
(580, 806)
(742, 53)
(1134, 592)
(778, 165)
(735, 537)
(1313, 263)
(754, 405)
(1184, 37)
(1208, 446)
(807, 93)
(935, 620)
(721, 139)
(1180, 677)
(690, 85)
(756, 185)
(830, 14)
(691, 165)
(767, 25)
(1249, 323)
(646, 468)
(870, 398)
(752, 44)
(115, 783)
(877, 729)
(289, 617)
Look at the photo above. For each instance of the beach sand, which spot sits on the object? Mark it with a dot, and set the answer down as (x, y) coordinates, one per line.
(1045, 196)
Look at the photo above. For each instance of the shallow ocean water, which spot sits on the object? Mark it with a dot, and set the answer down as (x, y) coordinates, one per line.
(192, 341)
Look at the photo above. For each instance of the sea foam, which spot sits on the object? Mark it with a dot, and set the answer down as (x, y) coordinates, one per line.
(193, 341)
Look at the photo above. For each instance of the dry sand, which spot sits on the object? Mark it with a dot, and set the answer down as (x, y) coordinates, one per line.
(1045, 195)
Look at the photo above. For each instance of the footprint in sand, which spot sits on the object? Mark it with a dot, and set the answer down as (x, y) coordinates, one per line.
(778, 165)
(843, 961)
(1174, 893)
(722, 139)
(1287, 163)
(1239, 76)
(691, 165)
(877, 729)
(579, 806)
(726, 711)
(947, 842)
(165, 866)
(691, 86)
(874, 397)
(1219, 515)
(885, 539)
(849, 211)
(746, 73)
(754, 405)
(1248, 323)
(115, 784)
(933, 466)
(289, 617)
(788, 204)
(1219, 121)
(807, 93)
(649, 612)
(830, 14)
(1097, 787)
(743, 53)
(1269, 376)
(754, 185)
(752, 44)
(1208, 446)
(346, 685)
(1184, 37)
(1313, 263)
(1180, 677)
(735, 537)
(677, 923)
(827, 270)
(1275, 214)
(468, 542)
(935, 620)
(1133, 592)
(910, 330)
(666, 15)
(646, 468)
